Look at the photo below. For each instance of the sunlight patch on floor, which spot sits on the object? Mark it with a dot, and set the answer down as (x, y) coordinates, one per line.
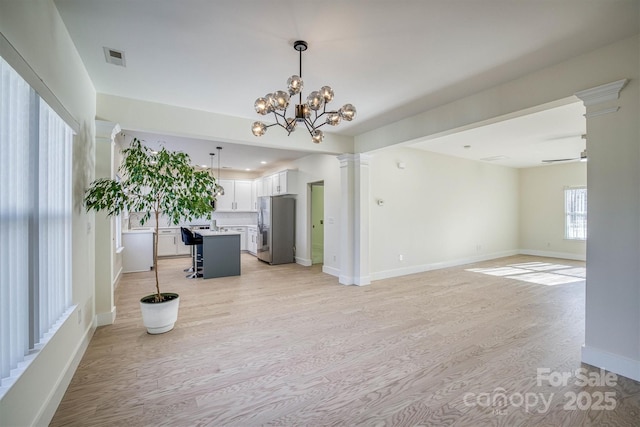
(542, 273)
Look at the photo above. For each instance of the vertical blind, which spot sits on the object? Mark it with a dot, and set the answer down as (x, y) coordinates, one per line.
(35, 220)
(575, 210)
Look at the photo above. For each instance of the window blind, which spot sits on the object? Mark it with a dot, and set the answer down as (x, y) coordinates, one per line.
(35, 226)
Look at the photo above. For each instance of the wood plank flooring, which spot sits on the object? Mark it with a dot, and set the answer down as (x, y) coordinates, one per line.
(287, 345)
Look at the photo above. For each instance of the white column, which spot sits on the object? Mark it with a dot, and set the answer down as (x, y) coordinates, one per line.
(354, 219)
(612, 320)
(105, 228)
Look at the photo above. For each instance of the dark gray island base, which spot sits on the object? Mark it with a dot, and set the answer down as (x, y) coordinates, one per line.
(220, 254)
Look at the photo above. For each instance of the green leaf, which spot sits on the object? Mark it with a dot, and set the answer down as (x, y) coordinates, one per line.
(153, 184)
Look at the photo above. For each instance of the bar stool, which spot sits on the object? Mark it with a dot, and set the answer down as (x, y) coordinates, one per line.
(189, 239)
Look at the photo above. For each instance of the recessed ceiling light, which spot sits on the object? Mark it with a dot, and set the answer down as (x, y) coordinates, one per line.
(204, 166)
(263, 162)
(247, 169)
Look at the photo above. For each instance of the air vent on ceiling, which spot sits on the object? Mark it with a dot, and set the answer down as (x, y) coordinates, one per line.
(113, 56)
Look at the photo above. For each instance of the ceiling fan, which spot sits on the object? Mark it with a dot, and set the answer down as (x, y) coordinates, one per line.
(582, 158)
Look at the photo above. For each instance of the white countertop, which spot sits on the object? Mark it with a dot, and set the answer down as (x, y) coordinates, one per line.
(139, 230)
(209, 233)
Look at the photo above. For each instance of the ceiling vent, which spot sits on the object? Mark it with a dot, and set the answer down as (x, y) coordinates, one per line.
(113, 56)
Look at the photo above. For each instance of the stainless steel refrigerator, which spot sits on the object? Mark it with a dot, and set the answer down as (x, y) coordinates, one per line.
(276, 229)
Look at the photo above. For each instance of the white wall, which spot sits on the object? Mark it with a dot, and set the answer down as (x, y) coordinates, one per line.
(542, 210)
(34, 29)
(438, 211)
(314, 168)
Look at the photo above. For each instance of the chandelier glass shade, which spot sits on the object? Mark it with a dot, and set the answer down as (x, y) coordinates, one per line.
(312, 113)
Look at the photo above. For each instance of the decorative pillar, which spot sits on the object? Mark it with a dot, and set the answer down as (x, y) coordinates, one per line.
(354, 219)
(612, 322)
(105, 251)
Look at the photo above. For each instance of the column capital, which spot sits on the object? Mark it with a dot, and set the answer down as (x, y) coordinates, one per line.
(107, 130)
(602, 93)
(361, 158)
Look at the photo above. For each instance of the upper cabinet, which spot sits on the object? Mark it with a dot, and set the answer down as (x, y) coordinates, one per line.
(280, 183)
(242, 195)
(237, 196)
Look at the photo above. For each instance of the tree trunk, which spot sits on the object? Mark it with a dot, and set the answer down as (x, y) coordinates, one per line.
(155, 256)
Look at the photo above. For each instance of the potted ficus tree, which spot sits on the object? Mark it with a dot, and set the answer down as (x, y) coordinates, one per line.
(154, 184)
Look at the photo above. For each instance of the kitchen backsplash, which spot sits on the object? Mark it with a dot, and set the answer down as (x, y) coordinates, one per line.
(221, 218)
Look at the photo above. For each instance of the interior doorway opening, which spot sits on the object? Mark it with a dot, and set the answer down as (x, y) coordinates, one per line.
(317, 222)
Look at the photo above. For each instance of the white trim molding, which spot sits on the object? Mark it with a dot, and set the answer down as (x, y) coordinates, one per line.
(601, 112)
(305, 262)
(620, 365)
(602, 93)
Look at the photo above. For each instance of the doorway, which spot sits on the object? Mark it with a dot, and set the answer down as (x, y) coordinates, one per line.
(317, 222)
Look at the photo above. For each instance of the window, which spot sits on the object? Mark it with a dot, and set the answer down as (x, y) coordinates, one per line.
(575, 213)
(35, 223)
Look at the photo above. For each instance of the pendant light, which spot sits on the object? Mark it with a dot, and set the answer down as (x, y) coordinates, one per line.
(219, 190)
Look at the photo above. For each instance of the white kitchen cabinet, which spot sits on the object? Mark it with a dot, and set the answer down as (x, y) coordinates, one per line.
(267, 186)
(243, 196)
(181, 248)
(166, 242)
(236, 198)
(225, 202)
(170, 242)
(252, 240)
(138, 251)
(254, 195)
(283, 182)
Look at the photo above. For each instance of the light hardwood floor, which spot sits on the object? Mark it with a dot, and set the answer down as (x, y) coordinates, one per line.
(287, 345)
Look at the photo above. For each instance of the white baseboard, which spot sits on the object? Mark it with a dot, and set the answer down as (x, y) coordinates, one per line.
(103, 319)
(303, 261)
(550, 254)
(55, 397)
(615, 363)
(387, 274)
(353, 280)
(331, 270)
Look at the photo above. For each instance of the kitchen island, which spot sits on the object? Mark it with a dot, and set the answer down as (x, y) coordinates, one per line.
(220, 253)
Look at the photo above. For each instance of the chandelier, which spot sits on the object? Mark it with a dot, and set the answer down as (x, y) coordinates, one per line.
(278, 101)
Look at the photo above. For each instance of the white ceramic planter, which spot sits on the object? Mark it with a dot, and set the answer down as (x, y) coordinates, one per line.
(159, 318)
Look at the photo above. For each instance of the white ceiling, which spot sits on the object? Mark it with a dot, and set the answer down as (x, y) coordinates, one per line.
(525, 141)
(391, 59)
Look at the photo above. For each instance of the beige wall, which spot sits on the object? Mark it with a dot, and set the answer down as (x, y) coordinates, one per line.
(542, 210)
(43, 47)
(438, 211)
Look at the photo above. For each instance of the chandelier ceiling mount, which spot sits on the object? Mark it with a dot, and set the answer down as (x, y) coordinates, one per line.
(313, 113)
